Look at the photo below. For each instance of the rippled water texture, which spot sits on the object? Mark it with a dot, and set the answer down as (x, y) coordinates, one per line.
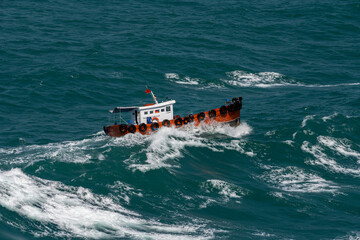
(291, 169)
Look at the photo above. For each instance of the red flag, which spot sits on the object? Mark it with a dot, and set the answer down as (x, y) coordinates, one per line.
(147, 90)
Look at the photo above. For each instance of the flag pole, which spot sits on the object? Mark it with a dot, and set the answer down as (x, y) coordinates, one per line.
(152, 94)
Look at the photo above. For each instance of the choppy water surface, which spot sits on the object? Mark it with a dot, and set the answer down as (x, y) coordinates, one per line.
(291, 170)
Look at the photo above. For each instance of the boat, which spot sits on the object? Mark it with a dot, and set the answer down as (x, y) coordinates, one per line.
(153, 116)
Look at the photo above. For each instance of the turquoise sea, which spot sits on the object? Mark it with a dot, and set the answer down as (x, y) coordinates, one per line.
(291, 170)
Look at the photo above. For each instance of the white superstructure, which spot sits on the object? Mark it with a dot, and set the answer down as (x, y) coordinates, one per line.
(154, 112)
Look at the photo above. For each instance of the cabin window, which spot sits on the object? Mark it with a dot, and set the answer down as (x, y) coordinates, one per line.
(151, 112)
(168, 109)
(162, 110)
(145, 113)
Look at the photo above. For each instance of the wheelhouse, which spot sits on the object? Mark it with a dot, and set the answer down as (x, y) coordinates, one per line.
(148, 113)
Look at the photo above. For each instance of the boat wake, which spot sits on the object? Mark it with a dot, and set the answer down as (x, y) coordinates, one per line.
(166, 145)
(140, 152)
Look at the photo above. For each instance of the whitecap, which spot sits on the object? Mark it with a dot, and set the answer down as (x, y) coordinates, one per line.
(306, 119)
(79, 212)
(270, 79)
(67, 151)
(223, 188)
(174, 77)
(326, 118)
(262, 79)
(340, 146)
(168, 143)
(322, 159)
(294, 179)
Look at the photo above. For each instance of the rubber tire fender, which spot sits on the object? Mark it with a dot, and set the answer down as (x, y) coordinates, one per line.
(223, 110)
(154, 126)
(186, 120)
(178, 122)
(212, 113)
(132, 128)
(123, 128)
(201, 116)
(142, 127)
(191, 118)
(166, 123)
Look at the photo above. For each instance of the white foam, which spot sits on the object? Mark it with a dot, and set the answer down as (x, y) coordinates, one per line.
(289, 142)
(67, 151)
(80, 213)
(270, 79)
(225, 190)
(325, 161)
(353, 235)
(326, 118)
(263, 234)
(124, 191)
(294, 179)
(174, 77)
(270, 133)
(340, 146)
(331, 85)
(167, 144)
(307, 118)
(157, 149)
(186, 80)
(262, 79)
(164, 145)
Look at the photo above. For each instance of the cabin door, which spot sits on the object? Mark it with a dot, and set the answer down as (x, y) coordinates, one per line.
(136, 117)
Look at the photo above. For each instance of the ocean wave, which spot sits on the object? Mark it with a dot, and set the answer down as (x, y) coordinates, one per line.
(322, 159)
(174, 77)
(157, 148)
(294, 179)
(262, 79)
(241, 78)
(223, 188)
(353, 235)
(306, 119)
(186, 80)
(224, 191)
(339, 146)
(327, 118)
(67, 151)
(168, 143)
(77, 212)
(270, 79)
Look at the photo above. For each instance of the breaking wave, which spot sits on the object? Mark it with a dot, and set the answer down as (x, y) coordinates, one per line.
(168, 143)
(186, 80)
(262, 79)
(154, 151)
(322, 159)
(77, 212)
(294, 179)
(223, 188)
(245, 79)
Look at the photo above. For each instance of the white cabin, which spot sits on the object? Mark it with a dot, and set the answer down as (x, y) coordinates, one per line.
(154, 112)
